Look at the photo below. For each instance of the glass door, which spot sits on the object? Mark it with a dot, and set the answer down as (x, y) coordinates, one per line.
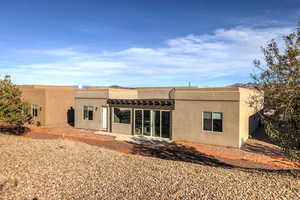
(138, 122)
(147, 125)
(154, 123)
(165, 124)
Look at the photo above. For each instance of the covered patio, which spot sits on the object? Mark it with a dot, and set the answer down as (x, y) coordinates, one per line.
(147, 117)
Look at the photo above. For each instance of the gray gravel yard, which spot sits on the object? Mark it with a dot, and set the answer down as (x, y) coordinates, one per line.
(57, 169)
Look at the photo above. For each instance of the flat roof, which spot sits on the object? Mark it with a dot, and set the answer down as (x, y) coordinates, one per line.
(195, 88)
(47, 86)
(102, 88)
(97, 88)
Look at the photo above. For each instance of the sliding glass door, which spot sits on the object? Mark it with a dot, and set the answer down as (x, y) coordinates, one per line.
(154, 123)
(147, 119)
(165, 124)
(138, 122)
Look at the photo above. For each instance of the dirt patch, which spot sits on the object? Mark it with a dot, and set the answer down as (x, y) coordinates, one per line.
(79, 135)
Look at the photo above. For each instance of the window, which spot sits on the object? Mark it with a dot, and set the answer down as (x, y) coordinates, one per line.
(88, 112)
(207, 121)
(34, 110)
(213, 121)
(217, 122)
(122, 115)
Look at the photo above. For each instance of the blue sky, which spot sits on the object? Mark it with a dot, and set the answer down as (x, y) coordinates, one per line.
(138, 42)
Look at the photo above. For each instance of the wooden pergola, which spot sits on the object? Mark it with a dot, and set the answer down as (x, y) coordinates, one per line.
(167, 104)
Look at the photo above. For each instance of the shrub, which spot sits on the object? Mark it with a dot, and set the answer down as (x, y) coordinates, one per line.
(13, 110)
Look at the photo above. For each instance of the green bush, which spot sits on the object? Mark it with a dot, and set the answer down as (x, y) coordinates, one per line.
(13, 110)
(278, 81)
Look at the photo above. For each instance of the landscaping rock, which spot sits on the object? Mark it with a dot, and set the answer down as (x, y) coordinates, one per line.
(7, 183)
(81, 171)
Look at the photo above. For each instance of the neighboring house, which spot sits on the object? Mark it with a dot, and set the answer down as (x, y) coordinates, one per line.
(219, 116)
(50, 105)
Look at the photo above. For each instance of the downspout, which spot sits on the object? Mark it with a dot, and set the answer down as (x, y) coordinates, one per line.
(171, 96)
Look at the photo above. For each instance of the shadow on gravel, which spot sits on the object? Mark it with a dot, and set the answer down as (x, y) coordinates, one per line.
(190, 154)
(178, 153)
(162, 150)
(13, 130)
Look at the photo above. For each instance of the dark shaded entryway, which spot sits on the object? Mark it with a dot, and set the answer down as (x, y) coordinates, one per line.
(71, 116)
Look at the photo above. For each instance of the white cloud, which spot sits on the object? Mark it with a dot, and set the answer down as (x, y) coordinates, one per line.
(225, 54)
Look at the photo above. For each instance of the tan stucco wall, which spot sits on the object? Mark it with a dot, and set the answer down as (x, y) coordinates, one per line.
(115, 93)
(98, 98)
(158, 92)
(53, 100)
(122, 128)
(101, 93)
(232, 102)
(184, 92)
(153, 93)
(35, 96)
(248, 123)
(107, 93)
(97, 120)
(94, 124)
(187, 122)
(58, 102)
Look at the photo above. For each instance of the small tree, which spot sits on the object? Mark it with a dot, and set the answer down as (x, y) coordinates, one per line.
(13, 111)
(278, 81)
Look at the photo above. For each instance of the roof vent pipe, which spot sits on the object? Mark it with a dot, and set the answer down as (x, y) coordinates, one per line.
(172, 93)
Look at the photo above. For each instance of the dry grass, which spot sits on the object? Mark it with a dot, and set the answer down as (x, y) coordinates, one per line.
(57, 169)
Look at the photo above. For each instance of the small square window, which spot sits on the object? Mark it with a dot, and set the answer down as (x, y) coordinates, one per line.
(88, 112)
(213, 121)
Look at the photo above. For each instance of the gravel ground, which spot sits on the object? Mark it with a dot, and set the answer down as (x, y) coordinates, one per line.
(57, 169)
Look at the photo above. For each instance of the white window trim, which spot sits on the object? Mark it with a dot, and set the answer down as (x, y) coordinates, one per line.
(212, 121)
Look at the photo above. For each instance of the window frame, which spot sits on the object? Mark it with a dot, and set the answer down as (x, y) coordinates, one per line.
(88, 117)
(34, 107)
(212, 122)
(113, 116)
(160, 127)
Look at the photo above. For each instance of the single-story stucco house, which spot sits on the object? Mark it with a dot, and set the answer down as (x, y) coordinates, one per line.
(218, 116)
